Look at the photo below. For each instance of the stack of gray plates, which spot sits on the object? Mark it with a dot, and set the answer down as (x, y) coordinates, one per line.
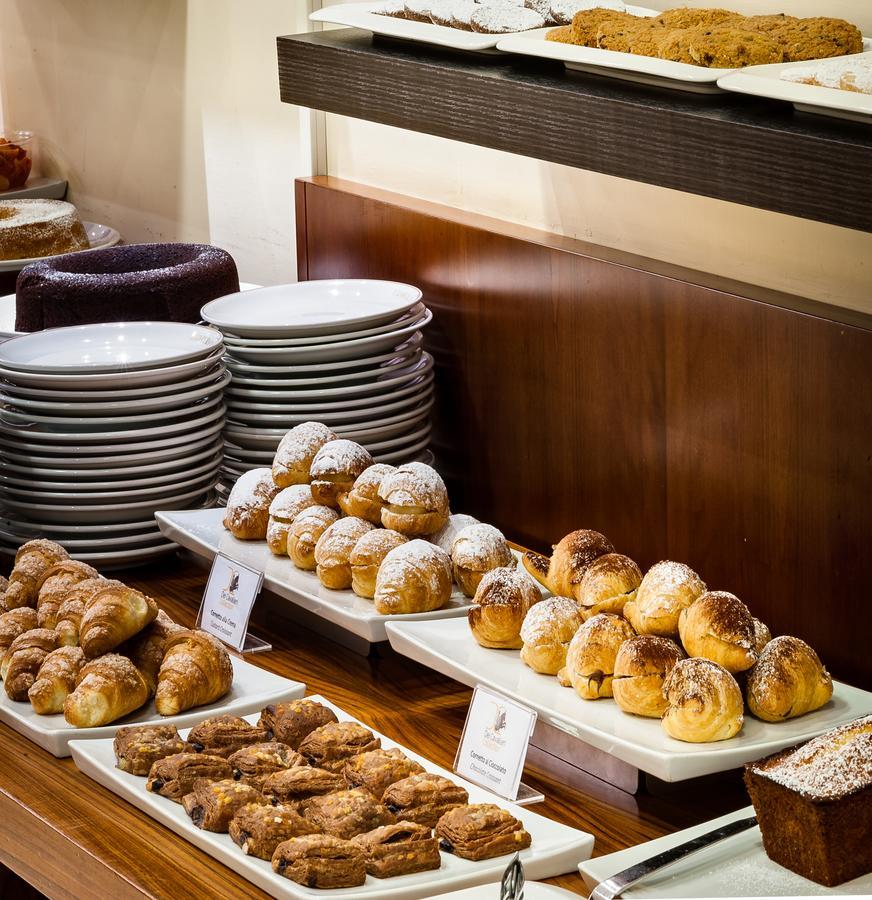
(344, 352)
(102, 425)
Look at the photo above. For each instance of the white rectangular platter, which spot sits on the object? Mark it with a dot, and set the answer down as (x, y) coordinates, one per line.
(766, 81)
(735, 867)
(252, 689)
(201, 532)
(449, 648)
(556, 849)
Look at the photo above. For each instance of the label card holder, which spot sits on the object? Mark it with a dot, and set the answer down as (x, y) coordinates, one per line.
(227, 603)
(493, 746)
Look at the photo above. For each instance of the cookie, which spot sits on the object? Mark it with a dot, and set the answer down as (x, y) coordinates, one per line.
(645, 39)
(695, 18)
(768, 23)
(586, 24)
(543, 7)
(562, 34)
(396, 9)
(505, 19)
(725, 47)
(563, 11)
(674, 45)
(441, 12)
(817, 38)
(617, 34)
(461, 14)
(418, 10)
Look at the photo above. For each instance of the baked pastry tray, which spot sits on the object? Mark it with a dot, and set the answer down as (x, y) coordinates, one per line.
(201, 531)
(449, 648)
(556, 849)
(734, 867)
(252, 689)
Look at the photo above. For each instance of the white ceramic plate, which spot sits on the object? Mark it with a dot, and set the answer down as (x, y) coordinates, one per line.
(125, 558)
(311, 308)
(99, 236)
(374, 412)
(139, 541)
(252, 689)
(766, 81)
(410, 453)
(7, 318)
(450, 648)
(735, 867)
(556, 849)
(533, 890)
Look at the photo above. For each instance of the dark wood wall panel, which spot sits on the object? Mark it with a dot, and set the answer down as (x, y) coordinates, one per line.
(684, 421)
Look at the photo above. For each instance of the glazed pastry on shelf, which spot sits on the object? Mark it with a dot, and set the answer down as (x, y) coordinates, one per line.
(55, 679)
(704, 702)
(424, 798)
(481, 831)
(546, 632)
(14, 623)
(415, 500)
(478, 549)
(444, 538)
(667, 589)
(287, 504)
(174, 777)
(247, 513)
(333, 551)
(501, 603)
(562, 572)
(297, 450)
(399, 849)
(299, 783)
(368, 555)
(376, 770)
(224, 735)
(138, 747)
(294, 720)
(252, 765)
(107, 688)
(363, 500)
(641, 667)
(331, 745)
(762, 636)
(71, 610)
(258, 828)
(113, 613)
(609, 583)
(23, 659)
(788, 680)
(414, 577)
(146, 650)
(346, 813)
(32, 562)
(335, 468)
(304, 532)
(212, 804)
(719, 627)
(320, 861)
(196, 670)
(55, 585)
(590, 658)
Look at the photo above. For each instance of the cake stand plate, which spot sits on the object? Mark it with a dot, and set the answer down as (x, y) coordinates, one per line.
(99, 237)
(38, 189)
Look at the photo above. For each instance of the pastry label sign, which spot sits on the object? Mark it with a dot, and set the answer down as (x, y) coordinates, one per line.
(228, 600)
(493, 746)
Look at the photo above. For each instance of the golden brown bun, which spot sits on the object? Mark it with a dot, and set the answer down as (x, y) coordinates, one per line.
(335, 468)
(304, 532)
(719, 627)
(704, 702)
(762, 636)
(641, 667)
(501, 603)
(363, 500)
(546, 632)
(113, 613)
(56, 583)
(247, 514)
(333, 551)
(478, 549)
(571, 558)
(196, 670)
(666, 589)
(287, 504)
(610, 581)
(590, 659)
(444, 537)
(415, 498)
(107, 688)
(32, 562)
(414, 577)
(368, 555)
(788, 680)
(296, 451)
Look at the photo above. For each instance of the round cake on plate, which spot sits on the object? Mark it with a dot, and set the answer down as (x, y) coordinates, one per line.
(32, 228)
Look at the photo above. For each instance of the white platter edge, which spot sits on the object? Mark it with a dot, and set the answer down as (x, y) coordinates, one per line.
(103, 236)
(96, 760)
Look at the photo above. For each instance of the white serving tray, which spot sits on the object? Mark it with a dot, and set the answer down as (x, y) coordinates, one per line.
(735, 867)
(556, 849)
(765, 81)
(449, 647)
(252, 689)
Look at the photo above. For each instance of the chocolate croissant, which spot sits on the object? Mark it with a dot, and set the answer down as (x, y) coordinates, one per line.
(704, 702)
(590, 659)
(569, 561)
(32, 561)
(113, 613)
(719, 627)
(107, 688)
(667, 589)
(196, 670)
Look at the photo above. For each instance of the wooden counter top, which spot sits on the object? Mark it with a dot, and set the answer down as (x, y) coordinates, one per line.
(68, 836)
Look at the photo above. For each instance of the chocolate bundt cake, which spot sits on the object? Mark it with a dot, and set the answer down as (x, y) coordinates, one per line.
(133, 283)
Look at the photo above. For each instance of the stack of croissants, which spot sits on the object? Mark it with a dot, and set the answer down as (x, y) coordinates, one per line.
(662, 645)
(95, 649)
(386, 532)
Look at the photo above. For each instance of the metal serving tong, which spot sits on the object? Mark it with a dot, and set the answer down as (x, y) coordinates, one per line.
(512, 885)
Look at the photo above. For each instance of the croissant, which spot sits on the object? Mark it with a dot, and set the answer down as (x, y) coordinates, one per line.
(146, 650)
(113, 613)
(55, 584)
(4, 583)
(14, 623)
(666, 589)
(788, 680)
(609, 583)
(590, 658)
(23, 659)
(196, 670)
(32, 561)
(55, 680)
(71, 610)
(719, 627)
(571, 558)
(107, 688)
(704, 702)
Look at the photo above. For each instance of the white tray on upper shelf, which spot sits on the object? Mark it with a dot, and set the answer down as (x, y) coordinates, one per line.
(252, 689)
(449, 648)
(99, 236)
(201, 531)
(734, 867)
(766, 81)
(556, 849)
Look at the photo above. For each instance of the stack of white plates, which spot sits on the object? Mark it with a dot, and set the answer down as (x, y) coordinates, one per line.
(102, 425)
(344, 352)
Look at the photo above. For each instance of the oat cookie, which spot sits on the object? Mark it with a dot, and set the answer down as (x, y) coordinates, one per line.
(562, 34)
(695, 18)
(725, 47)
(674, 45)
(586, 24)
(817, 38)
(617, 34)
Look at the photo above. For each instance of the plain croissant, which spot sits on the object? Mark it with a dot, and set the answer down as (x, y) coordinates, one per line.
(106, 689)
(55, 585)
(196, 670)
(113, 614)
(55, 680)
(32, 561)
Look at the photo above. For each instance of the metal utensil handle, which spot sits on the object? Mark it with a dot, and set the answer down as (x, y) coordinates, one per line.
(614, 886)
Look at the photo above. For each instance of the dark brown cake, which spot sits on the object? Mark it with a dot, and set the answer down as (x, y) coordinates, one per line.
(814, 804)
(134, 283)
